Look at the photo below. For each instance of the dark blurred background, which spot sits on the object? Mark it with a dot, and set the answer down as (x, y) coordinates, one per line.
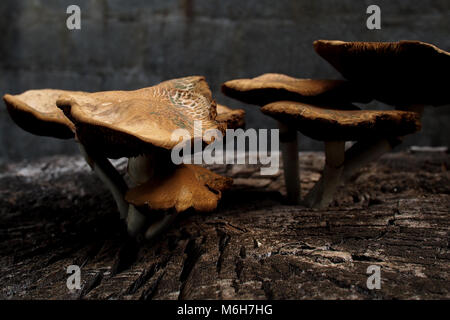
(137, 43)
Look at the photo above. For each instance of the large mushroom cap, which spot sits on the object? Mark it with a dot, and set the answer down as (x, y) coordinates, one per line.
(186, 186)
(397, 73)
(273, 87)
(230, 118)
(35, 111)
(343, 125)
(128, 123)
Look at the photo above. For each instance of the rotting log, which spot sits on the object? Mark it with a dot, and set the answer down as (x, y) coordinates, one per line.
(393, 213)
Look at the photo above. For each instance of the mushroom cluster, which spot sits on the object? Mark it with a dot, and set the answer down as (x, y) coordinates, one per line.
(137, 125)
(405, 74)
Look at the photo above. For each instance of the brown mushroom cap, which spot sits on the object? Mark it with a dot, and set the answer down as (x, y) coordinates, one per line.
(397, 73)
(231, 118)
(271, 87)
(35, 111)
(343, 125)
(187, 186)
(129, 123)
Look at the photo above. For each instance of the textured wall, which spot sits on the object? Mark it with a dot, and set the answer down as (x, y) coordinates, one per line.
(136, 43)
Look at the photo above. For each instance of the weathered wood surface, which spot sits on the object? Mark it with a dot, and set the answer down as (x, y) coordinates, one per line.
(395, 214)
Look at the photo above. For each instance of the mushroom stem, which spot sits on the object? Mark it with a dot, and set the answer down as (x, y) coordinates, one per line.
(289, 148)
(135, 221)
(110, 177)
(323, 191)
(156, 228)
(141, 168)
(363, 152)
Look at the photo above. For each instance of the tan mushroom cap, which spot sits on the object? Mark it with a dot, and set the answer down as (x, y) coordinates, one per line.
(231, 118)
(397, 73)
(35, 111)
(187, 186)
(343, 125)
(129, 123)
(271, 87)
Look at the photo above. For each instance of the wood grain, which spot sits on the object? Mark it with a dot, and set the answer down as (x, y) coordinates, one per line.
(394, 213)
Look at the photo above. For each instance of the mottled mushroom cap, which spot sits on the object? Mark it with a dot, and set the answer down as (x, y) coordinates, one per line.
(230, 118)
(35, 111)
(398, 73)
(271, 87)
(186, 186)
(130, 123)
(343, 125)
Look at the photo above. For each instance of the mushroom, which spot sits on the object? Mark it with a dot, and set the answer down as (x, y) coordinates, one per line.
(231, 118)
(36, 111)
(273, 87)
(178, 189)
(405, 74)
(139, 125)
(335, 127)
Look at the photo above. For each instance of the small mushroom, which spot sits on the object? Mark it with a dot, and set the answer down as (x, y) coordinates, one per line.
(182, 187)
(335, 127)
(272, 87)
(139, 125)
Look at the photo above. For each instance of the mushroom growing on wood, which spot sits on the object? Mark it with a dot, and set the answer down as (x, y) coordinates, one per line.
(139, 125)
(406, 74)
(335, 127)
(177, 189)
(36, 111)
(272, 87)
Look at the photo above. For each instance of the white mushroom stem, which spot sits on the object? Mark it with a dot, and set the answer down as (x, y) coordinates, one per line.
(135, 221)
(141, 168)
(156, 228)
(364, 152)
(341, 165)
(118, 187)
(323, 191)
(110, 177)
(289, 148)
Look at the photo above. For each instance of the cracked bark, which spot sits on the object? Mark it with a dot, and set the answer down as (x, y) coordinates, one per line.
(393, 213)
